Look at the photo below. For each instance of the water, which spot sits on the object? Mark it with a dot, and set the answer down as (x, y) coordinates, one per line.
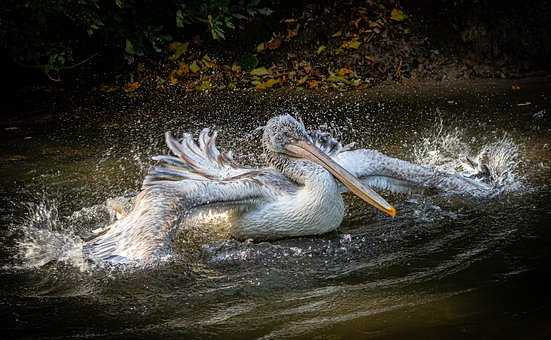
(443, 268)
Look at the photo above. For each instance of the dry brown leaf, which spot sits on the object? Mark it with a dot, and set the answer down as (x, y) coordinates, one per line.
(108, 88)
(344, 72)
(131, 87)
(312, 84)
(302, 80)
(178, 49)
(274, 43)
(293, 32)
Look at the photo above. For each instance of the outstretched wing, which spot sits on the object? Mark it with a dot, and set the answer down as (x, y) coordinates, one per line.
(387, 173)
(391, 174)
(196, 176)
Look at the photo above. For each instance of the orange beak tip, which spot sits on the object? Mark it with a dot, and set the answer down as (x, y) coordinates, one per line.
(391, 212)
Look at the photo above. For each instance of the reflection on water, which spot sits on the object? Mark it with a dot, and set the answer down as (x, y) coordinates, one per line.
(443, 268)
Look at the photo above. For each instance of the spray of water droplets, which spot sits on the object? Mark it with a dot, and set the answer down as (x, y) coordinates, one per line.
(496, 162)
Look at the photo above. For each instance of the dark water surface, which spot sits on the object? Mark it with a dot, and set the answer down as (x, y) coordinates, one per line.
(444, 268)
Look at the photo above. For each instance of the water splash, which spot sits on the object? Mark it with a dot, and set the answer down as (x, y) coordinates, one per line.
(443, 149)
(499, 160)
(495, 163)
(45, 238)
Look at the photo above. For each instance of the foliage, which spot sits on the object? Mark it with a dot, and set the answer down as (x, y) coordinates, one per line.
(57, 34)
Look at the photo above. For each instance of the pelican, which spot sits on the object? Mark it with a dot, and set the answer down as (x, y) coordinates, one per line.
(298, 193)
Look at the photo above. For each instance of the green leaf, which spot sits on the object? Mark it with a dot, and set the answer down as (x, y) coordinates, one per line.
(321, 49)
(180, 19)
(248, 62)
(265, 11)
(229, 23)
(129, 48)
(194, 67)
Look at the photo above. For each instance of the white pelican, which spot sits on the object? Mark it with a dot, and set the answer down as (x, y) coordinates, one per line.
(298, 194)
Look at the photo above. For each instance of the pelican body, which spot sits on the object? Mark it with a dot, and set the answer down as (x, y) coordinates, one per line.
(299, 193)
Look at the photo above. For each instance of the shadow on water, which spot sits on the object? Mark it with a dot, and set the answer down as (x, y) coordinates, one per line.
(443, 268)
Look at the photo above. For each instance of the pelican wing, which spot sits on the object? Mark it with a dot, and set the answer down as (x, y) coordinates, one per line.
(196, 176)
(199, 160)
(387, 173)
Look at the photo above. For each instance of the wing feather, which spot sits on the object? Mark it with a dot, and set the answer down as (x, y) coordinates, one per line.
(195, 176)
(192, 160)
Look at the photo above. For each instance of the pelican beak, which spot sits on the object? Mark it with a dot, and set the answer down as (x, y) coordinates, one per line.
(306, 150)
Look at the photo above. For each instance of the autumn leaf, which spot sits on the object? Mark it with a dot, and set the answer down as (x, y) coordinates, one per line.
(292, 32)
(236, 68)
(267, 84)
(205, 85)
(398, 15)
(337, 34)
(312, 84)
(108, 88)
(321, 49)
(260, 71)
(302, 80)
(173, 78)
(208, 62)
(274, 43)
(344, 72)
(183, 69)
(178, 49)
(131, 87)
(260, 47)
(353, 43)
(194, 67)
(334, 78)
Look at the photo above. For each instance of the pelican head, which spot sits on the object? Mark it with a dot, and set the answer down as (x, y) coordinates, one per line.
(290, 149)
